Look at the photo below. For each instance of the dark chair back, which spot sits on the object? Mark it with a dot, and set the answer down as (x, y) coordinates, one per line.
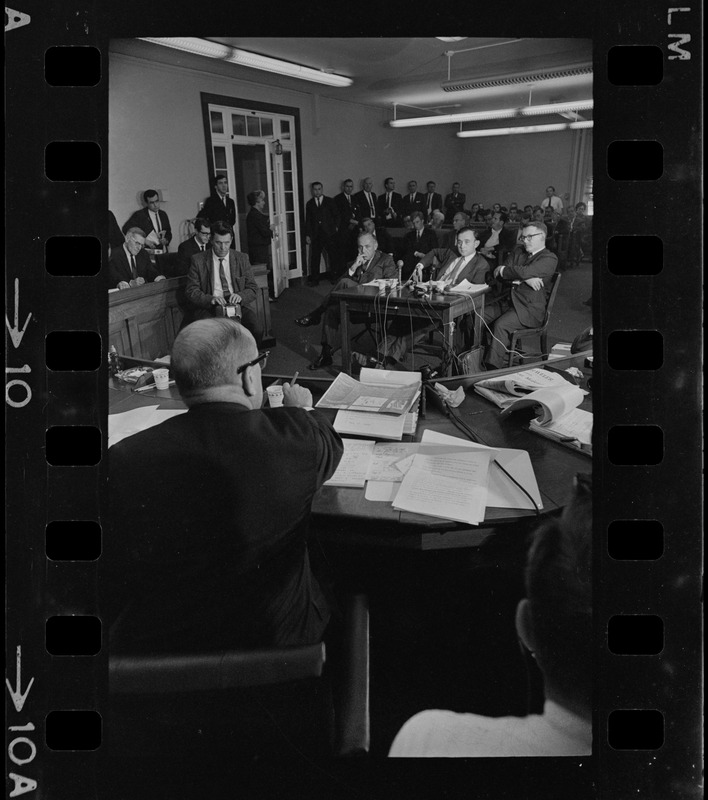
(540, 331)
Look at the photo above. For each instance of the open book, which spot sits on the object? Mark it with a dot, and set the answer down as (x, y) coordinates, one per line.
(386, 396)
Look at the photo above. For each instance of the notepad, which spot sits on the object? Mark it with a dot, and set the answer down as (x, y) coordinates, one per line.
(354, 465)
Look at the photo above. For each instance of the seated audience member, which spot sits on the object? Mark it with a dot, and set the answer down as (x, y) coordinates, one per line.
(433, 200)
(529, 210)
(496, 208)
(551, 200)
(219, 207)
(474, 208)
(480, 215)
(151, 220)
(437, 219)
(454, 267)
(197, 243)
(519, 302)
(222, 277)
(496, 239)
(554, 622)
(413, 201)
(389, 206)
(382, 236)
(459, 221)
(416, 244)
(454, 202)
(514, 213)
(259, 232)
(369, 265)
(115, 234)
(584, 225)
(201, 552)
(488, 214)
(130, 266)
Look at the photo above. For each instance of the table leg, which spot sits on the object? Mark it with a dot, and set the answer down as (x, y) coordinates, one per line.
(346, 342)
(478, 314)
(449, 336)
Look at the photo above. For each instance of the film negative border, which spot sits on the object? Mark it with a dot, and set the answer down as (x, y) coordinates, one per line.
(659, 502)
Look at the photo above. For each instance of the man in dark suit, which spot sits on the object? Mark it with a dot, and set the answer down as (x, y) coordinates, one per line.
(497, 240)
(195, 244)
(383, 237)
(453, 269)
(369, 265)
(321, 226)
(220, 282)
(366, 199)
(416, 244)
(413, 201)
(130, 266)
(349, 216)
(433, 200)
(524, 297)
(389, 206)
(455, 201)
(205, 548)
(220, 207)
(259, 233)
(459, 221)
(152, 220)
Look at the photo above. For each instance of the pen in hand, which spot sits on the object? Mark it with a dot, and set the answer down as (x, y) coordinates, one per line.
(295, 377)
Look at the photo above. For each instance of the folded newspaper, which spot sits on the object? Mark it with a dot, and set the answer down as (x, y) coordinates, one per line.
(348, 393)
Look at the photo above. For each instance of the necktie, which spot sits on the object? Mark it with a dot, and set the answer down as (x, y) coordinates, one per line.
(156, 221)
(388, 200)
(412, 199)
(133, 270)
(430, 203)
(224, 283)
(319, 202)
(419, 232)
(371, 204)
(452, 271)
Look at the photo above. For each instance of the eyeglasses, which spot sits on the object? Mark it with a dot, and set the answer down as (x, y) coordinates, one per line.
(262, 360)
(530, 236)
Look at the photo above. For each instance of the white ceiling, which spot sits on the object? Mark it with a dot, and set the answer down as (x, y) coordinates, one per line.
(409, 71)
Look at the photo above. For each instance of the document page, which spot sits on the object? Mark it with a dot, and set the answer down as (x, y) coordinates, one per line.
(383, 462)
(376, 426)
(521, 383)
(552, 403)
(348, 393)
(452, 486)
(353, 467)
(576, 425)
(120, 426)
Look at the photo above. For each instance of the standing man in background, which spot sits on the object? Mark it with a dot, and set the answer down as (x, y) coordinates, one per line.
(366, 199)
(389, 206)
(413, 201)
(259, 232)
(152, 221)
(551, 200)
(433, 200)
(321, 226)
(349, 216)
(454, 202)
(220, 207)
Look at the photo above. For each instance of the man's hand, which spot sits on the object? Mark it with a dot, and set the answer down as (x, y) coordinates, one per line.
(218, 301)
(535, 283)
(159, 278)
(234, 299)
(297, 396)
(417, 275)
(359, 261)
(137, 282)
(417, 254)
(498, 271)
(124, 285)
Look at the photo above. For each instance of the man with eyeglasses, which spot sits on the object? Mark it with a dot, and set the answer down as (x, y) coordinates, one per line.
(522, 296)
(206, 540)
(220, 282)
(130, 266)
(198, 243)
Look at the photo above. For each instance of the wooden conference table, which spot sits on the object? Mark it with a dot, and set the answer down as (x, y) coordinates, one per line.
(402, 302)
(345, 514)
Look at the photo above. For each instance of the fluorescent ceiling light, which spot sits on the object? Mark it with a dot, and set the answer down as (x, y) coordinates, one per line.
(556, 126)
(233, 55)
(483, 116)
(451, 38)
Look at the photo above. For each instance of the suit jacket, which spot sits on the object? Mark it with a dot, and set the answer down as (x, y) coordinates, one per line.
(205, 548)
(321, 221)
(214, 210)
(530, 304)
(454, 203)
(259, 236)
(437, 202)
(142, 219)
(507, 239)
(364, 205)
(386, 243)
(408, 206)
(380, 266)
(412, 244)
(186, 250)
(119, 267)
(394, 220)
(199, 290)
(347, 211)
(476, 269)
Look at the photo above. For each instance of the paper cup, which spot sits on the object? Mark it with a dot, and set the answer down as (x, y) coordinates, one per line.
(162, 378)
(275, 396)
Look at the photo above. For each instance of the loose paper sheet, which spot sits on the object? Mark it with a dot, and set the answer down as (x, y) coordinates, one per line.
(127, 423)
(354, 464)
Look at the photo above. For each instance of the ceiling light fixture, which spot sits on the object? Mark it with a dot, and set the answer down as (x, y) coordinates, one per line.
(557, 126)
(529, 76)
(233, 55)
(483, 116)
(451, 38)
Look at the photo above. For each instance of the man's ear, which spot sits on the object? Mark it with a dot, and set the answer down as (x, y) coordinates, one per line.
(524, 625)
(248, 382)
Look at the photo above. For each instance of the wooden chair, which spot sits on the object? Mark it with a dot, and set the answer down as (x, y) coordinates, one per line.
(255, 703)
(541, 331)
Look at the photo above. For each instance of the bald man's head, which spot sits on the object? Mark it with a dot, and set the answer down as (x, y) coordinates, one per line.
(206, 355)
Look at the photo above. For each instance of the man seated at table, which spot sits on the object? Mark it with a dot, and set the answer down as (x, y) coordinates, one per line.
(130, 266)
(521, 293)
(369, 265)
(554, 622)
(453, 269)
(197, 243)
(416, 244)
(214, 554)
(221, 279)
